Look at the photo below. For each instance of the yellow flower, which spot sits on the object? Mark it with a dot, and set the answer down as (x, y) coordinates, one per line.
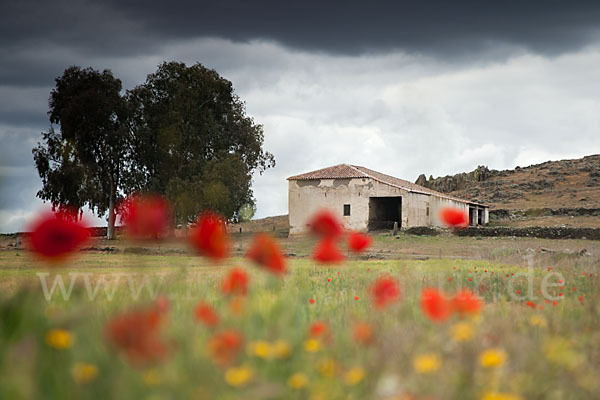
(312, 345)
(462, 331)
(260, 348)
(492, 358)
(59, 339)
(327, 367)
(151, 377)
(427, 363)
(238, 376)
(84, 373)
(298, 381)
(559, 351)
(537, 320)
(354, 376)
(281, 349)
(500, 396)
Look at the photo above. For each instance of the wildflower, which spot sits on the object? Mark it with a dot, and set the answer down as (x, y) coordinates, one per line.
(462, 331)
(225, 346)
(327, 251)
(84, 373)
(531, 304)
(55, 236)
(238, 376)
(537, 320)
(427, 363)
(358, 242)
(492, 358)
(209, 236)
(206, 314)
(297, 381)
(318, 328)
(162, 303)
(59, 339)
(312, 345)
(237, 305)
(325, 224)
(137, 335)
(151, 377)
(146, 216)
(454, 217)
(265, 252)
(466, 303)
(354, 376)
(500, 396)
(280, 349)
(363, 333)
(327, 367)
(261, 349)
(311, 301)
(385, 291)
(434, 305)
(236, 282)
(356, 298)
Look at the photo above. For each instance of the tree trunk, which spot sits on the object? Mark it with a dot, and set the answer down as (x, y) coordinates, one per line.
(110, 230)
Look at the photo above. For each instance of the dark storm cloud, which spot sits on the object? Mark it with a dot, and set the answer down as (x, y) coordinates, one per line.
(442, 28)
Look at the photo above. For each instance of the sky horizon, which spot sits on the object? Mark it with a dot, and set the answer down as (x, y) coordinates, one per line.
(401, 88)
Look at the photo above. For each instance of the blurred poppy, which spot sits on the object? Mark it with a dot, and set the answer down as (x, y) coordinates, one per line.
(363, 333)
(146, 216)
(209, 236)
(434, 305)
(206, 314)
(358, 241)
(466, 302)
(236, 282)
(137, 335)
(325, 224)
(454, 217)
(55, 236)
(385, 291)
(265, 251)
(318, 328)
(225, 346)
(162, 303)
(327, 252)
(311, 301)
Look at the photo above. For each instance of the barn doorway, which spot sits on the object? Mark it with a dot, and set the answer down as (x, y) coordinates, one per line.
(384, 211)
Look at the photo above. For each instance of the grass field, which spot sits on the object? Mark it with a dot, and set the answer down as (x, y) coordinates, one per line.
(53, 344)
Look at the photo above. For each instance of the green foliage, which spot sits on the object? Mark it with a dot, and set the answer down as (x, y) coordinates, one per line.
(246, 213)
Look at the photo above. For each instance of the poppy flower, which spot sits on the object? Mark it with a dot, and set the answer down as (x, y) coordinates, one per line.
(466, 302)
(363, 333)
(531, 304)
(225, 346)
(55, 236)
(454, 217)
(311, 301)
(384, 292)
(206, 314)
(318, 328)
(434, 305)
(137, 335)
(327, 252)
(209, 236)
(236, 282)
(146, 216)
(162, 303)
(325, 224)
(358, 241)
(265, 252)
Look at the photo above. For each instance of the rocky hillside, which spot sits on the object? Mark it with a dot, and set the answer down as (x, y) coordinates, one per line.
(567, 184)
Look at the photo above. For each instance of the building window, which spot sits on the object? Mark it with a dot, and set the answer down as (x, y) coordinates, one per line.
(346, 210)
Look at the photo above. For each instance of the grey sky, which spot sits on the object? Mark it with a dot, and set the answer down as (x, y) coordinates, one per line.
(404, 89)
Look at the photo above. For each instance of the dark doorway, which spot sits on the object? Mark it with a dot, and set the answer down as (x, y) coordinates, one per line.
(472, 219)
(384, 211)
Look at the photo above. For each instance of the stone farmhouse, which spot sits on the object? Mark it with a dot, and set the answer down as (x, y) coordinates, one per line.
(369, 200)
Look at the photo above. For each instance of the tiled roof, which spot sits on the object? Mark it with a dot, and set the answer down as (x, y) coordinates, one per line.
(345, 171)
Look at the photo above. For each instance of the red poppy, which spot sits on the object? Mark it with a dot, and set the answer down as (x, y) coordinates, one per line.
(358, 241)
(162, 303)
(209, 236)
(318, 328)
(206, 314)
(466, 302)
(531, 304)
(385, 291)
(236, 282)
(454, 217)
(363, 333)
(435, 305)
(311, 301)
(225, 346)
(327, 252)
(265, 251)
(325, 224)
(137, 335)
(146, 216)
(55, 236)
(356, 298)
